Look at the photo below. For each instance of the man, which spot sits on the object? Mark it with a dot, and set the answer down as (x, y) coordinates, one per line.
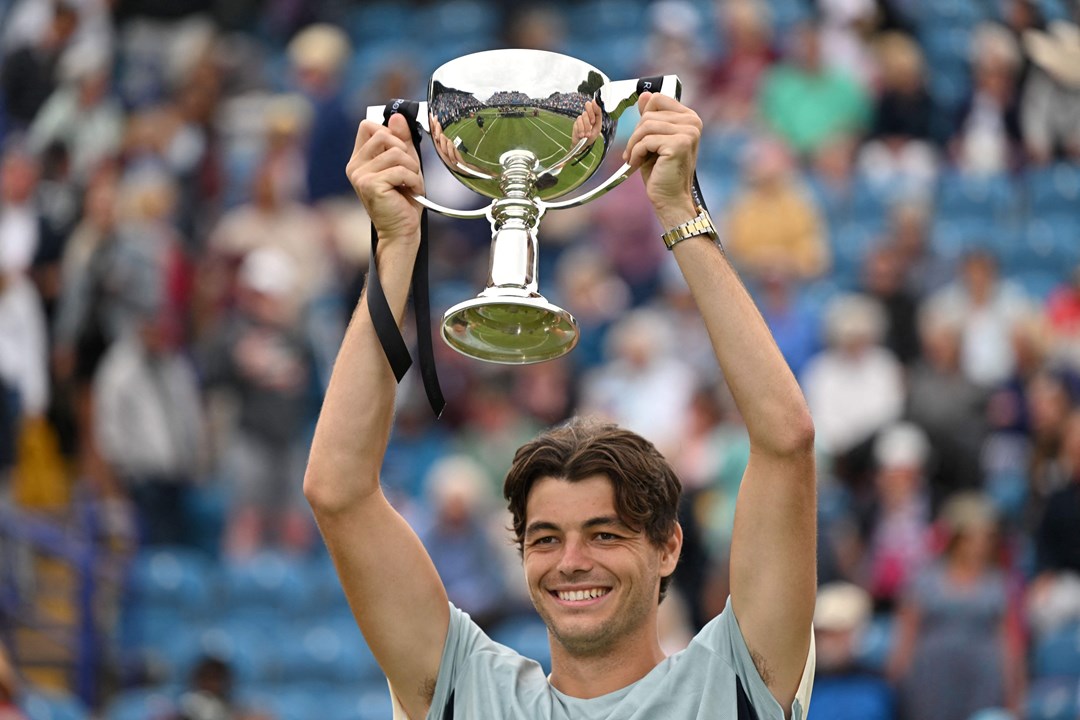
(597, 533)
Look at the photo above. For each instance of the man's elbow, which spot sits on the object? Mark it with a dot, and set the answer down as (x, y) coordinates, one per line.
(796, 438)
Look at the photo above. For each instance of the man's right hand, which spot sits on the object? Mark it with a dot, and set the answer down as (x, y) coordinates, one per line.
(385, 172)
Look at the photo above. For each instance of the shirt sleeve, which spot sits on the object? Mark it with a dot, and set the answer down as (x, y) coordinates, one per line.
(463, 636)
(727, 639)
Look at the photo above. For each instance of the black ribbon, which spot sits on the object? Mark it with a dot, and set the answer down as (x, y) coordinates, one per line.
(397, 353)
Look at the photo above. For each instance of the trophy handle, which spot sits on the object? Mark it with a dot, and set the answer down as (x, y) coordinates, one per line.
(375, 114)
(619, 95)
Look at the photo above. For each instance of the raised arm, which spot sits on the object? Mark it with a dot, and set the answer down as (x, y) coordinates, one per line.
(392, 586)
(773, 557)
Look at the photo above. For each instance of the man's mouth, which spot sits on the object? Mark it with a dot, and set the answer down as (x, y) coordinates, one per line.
(582, 595)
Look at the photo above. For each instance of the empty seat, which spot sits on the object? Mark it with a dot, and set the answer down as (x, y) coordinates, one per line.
(1058, 654)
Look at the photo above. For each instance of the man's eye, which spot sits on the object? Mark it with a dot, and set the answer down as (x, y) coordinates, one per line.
(606, 536)
(546, 540)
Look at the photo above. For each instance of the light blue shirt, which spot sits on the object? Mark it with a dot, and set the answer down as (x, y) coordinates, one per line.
(491, 681)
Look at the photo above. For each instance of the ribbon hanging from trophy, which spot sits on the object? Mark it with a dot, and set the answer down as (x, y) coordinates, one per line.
(381, 316)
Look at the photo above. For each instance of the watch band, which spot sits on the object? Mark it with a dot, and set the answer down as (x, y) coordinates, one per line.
(702, 224)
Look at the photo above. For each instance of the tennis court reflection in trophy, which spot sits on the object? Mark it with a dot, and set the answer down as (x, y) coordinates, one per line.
(522, 127)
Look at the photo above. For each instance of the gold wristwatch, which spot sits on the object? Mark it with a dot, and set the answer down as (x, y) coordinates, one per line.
(700, 225)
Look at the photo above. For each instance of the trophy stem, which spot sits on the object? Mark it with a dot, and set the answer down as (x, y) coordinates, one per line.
(514, 219)
(510, 321)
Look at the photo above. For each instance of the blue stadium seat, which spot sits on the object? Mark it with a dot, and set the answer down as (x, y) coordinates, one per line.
(1054, 699)
(457, 18)
(962, 196)
(140, 704)
(386, 20)
(960, 13)
(248, 646)
(327, 652)
(1038, 284)
(526, 634)
(269, 583)
(167, 589)
(1058, 655)
(876, 643)
(854, 698)
(178, 577)
(42, 705)
(850, 244)
(292, 702)
(1053, 191)
(1050, 244)
(594, 19)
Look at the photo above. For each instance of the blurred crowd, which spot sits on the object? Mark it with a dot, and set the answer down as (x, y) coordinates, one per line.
(180, 251)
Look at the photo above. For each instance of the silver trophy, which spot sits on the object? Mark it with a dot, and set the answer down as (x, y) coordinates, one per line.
(514, 126)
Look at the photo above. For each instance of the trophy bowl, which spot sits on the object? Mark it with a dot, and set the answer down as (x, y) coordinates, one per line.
(522, 127)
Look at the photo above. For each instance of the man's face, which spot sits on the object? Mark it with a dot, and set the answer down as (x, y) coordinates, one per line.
(575, 547)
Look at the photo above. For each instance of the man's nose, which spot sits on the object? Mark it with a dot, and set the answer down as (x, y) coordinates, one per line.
(575, 556)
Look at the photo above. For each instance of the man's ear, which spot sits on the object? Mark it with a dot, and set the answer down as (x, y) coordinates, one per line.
(669, 551)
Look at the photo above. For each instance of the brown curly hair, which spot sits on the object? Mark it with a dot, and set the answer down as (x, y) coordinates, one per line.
(646, 487)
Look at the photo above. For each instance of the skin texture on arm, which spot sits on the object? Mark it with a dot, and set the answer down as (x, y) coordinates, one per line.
(773, 557)
(393, 588)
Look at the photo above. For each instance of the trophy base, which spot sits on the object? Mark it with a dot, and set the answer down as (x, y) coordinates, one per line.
(510, 330)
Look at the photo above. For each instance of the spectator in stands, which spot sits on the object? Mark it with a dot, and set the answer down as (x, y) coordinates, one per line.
(854, 387)
(588, 283)
(459, 538)
(148, 420)
(9, 688)
(844, 688)
(990, 308)
(623, 228)
(847, 27)
(987, 136)
(88, 304)
(795, 324)
(807, 103)
(211, 694)
(949, 406)
(899, 156)
(1063, 319)
(898, 524)
(1049, 400)
(1054, 596)
(20, 224)
(1050, 106)
(277, 221)
(262, 357)
(883, 280)
(318, 55)
(81, 114)
(644, 386)
(958, 647)
(731, 84)
(28, 73)
(773, 225)
(24, 376)
(925, 269)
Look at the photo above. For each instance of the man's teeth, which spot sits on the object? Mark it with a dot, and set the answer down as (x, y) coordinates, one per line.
(582, 594)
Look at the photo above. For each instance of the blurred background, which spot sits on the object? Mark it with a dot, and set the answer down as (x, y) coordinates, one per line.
(897, 180)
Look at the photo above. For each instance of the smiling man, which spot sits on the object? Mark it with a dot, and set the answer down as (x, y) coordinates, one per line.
(594, 506)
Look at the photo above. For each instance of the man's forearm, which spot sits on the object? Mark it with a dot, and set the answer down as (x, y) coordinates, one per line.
(764, 389)
(354, 424)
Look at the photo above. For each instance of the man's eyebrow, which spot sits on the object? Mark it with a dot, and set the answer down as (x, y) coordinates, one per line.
(539, 526)
(607, 521)
(603, 521)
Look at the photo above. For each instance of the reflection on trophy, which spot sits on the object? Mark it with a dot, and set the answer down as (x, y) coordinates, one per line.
(522, 127)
